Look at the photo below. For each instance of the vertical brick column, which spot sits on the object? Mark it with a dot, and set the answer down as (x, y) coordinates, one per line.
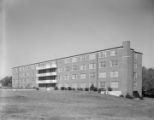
(127, 69)
(139, 72)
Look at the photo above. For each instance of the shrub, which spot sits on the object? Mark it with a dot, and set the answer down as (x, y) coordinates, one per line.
(69, 88)
(109, 89)
(141, 98)
(129, 96)
(92, 87)
(56, 88)
(101, 89)
(121, 96)
(149, 93)
(6, 81)
(36, 88)
(62, 88)
(95, 89)
(80, 89)
(136, 94)
(86, 89)
(73, 88)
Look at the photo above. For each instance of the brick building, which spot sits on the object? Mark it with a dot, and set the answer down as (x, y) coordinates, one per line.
(119, 68)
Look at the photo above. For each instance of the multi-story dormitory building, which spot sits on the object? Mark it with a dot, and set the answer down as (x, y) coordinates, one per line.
(119, 68)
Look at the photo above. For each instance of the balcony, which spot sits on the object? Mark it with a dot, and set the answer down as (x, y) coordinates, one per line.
(47, 74)
(47, 81)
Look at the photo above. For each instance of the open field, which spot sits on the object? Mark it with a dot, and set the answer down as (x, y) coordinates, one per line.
(71, 105)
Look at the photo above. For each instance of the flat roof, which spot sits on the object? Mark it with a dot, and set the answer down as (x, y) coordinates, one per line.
(74, 56)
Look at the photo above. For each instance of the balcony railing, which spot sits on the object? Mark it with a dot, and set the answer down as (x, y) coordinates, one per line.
(47, 81)
(47, 74)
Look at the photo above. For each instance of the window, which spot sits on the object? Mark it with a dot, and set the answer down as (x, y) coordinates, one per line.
(102, 54)
(67, 60)
(74, 85)
(83, 58)
(111, 74)
(83, 85)
(92, 56)
(134, 85)
(92, 75)
(135, 75)
(41, 65)
(15, 71)
(60, 70)
(114, 74)
(21, 75)
(102, 64)
(67, 68)
(102, 84)
(60, 61)
(66, 85)
(60, 77)
(102, 75)
(112, 53)
(113, 63)
(83, 67)
(83, 76)
(114, 84)
(74, 59)
(135, 56)
(92, 66)
(26, 68)
(135, 66)
(20, 68)
(27, 74)
(47, 65)
(75, 67)
(66, 77)
(74, 76)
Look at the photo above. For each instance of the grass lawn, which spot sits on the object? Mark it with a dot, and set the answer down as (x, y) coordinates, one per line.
(71, 105)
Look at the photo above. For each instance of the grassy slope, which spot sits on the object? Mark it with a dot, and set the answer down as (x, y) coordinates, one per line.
(71, 105)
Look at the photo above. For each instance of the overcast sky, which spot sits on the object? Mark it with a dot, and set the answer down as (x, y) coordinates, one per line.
(39, 30)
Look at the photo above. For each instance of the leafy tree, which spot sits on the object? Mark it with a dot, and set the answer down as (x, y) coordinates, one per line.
(92, 87)
(148, 78)
(6, 81)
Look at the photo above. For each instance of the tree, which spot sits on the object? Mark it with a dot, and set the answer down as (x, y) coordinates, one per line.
(92, 87)
(148, 78)
(6, 81)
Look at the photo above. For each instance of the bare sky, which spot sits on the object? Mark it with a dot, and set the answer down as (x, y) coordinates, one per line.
(39, 30)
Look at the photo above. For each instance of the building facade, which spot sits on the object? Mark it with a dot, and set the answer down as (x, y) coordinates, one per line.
(119, 68)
